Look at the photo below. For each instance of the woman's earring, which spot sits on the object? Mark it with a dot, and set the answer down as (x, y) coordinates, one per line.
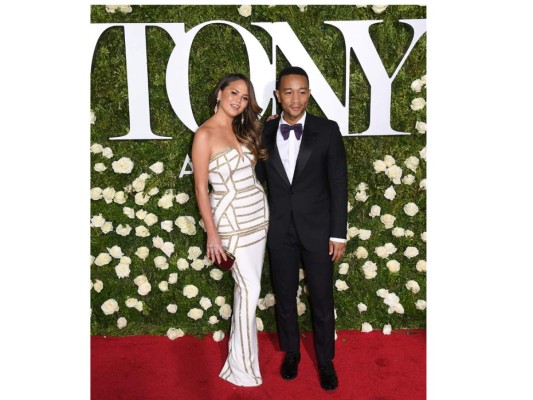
(242, 119)
(216, 105)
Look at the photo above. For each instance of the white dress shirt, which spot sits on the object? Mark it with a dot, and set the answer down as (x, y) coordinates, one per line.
(288, 152)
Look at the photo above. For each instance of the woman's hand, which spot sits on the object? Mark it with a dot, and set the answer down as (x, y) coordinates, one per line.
(215, 251)
(272, 117)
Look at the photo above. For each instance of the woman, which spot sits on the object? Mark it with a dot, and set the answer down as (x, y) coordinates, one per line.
(224, 152)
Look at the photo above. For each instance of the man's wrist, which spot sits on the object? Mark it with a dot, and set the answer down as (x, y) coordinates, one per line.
(339, 240)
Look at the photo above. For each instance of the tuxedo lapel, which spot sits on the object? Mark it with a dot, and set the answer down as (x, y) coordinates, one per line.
(306, 147)
(274, 157)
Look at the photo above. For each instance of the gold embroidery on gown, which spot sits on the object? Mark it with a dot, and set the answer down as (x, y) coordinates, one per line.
(240, 211)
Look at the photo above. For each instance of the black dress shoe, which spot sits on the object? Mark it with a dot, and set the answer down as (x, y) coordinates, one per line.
(289, 368)
(328, 376)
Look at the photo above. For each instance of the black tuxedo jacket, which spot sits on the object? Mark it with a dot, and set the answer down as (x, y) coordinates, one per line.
(317, 197)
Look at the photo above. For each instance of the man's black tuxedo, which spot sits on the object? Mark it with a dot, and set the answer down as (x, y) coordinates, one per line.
(303, 216)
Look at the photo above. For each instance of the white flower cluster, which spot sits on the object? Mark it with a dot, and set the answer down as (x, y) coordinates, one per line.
(268, 301)
(392, 300)
(143, 286)
(111, 9)
(386, 250)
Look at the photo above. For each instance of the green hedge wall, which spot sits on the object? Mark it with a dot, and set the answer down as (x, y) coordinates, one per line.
(218, 49)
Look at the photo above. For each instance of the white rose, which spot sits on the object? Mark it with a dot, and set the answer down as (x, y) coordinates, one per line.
(182, 198)
(173, 278)
(302, 8)
(160, 262)
(108, 194)
(190, 291)
(172, 308)
(131, 302)
(362, 307)
(421, 127)
(122, 270)
(369, 269)
(140, 199)
(98, 285)
(387, 329)
(202, 225)
(382, 292)
(380, 166)
(420, 305)
(197, 264)
(213, 320)
(410, 252)
(412, 163)
(361, 253)
(301, 308)
(422, 153)
(167, 225)
(388, 220)
(107, 152)
(92, 259)
(398, 232)
(270, 299)
(144, 288)
(393, 266)
(122, 166)
(350, 208)
(389, 161)
(163, 286)
(174, 333)
(245, 10)
(194, 252)
(111, 9)
(97, 221)
(96, 148)
(413, 286)
(364, 234)
(341, 285)
(391, 249)
(362, 187)
(139, 280)
(99, 167)
(216, 274)
(157, 242)
(102, 259)
(366, 327)
(225, 311)
(220, 301)
(378, 9)
(416, 85)
(107, 227)
(390, 193)
(139, 306)
(157, 168)
(421, 266)
(182, 264)
(395, 174)
(381, 251)
(207, 262)
(142, 252)
(418, 104)
(205, 303)
(110, 306)
(361, 196)
(129, 212)
(218, 336)
(186, 225)
(423, 184)
(123, 230)
(423, 236)
(352, 232)
(168, 248)
(115, 252)
(125, 260)
(410, 209)
(343, 268)
(124, 9)
(142, 231)
(408, 179)
(153, 191)
(261, 304)
(409, 233)
(96, 193)
(423, 79)
(138, 184)
(141, 214)
(259, 323)
(122, 322)
(165, 201)
(375, 211)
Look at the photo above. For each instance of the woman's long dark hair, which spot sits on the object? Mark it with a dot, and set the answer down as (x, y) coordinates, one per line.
(248, 132)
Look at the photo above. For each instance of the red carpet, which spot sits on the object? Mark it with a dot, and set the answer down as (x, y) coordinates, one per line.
(370, 366)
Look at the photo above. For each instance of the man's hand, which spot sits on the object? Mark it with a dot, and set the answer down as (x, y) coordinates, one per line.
(336, 250)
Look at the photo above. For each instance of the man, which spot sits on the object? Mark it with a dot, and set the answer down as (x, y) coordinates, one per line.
(307, 194)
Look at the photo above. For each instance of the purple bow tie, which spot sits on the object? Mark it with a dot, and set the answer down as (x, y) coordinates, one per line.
(286, 128)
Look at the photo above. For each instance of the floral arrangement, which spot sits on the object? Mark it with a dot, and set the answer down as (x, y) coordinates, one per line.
(149, 272)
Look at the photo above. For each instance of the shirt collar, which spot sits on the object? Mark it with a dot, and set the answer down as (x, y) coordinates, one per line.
(300, 121)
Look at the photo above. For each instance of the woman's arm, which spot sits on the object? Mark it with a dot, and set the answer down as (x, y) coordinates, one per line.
(201, 152)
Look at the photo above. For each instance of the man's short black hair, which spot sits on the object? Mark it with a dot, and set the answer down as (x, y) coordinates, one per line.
(291, 71)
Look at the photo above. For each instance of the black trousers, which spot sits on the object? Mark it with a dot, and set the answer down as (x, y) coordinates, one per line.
(284, 270)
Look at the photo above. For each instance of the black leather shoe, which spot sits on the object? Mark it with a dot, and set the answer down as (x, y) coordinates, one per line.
(289, 368)
(328, 376)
